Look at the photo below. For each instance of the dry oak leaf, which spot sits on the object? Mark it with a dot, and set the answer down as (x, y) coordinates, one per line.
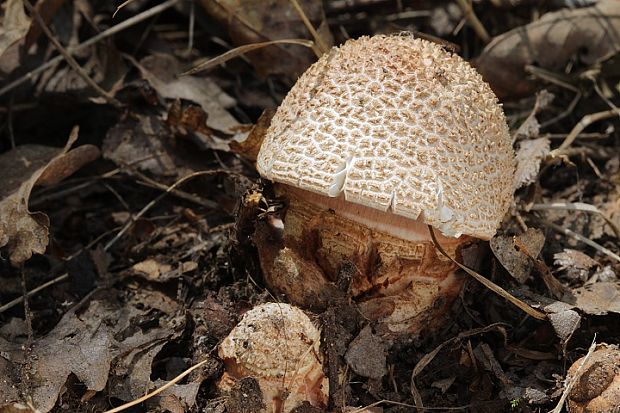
(591, 33)
(103, 337)
(22, 231)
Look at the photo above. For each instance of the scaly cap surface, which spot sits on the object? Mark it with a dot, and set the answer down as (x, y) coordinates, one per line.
(396, 123)
(277, 344)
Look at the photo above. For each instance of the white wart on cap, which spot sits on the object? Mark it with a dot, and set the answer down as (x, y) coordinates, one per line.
(396, 124)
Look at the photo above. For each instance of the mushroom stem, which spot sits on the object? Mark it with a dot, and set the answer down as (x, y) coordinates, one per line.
(404, 284)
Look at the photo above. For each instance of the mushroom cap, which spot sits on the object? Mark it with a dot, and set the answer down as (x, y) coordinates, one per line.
(278, 345)
(397, 124)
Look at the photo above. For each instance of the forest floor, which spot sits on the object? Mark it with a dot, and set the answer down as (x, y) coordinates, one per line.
(125, 258)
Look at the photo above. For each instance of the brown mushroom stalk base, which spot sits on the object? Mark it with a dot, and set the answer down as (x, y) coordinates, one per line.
(330, 249)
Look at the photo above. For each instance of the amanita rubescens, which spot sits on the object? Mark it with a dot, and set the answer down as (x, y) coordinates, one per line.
(379, 138)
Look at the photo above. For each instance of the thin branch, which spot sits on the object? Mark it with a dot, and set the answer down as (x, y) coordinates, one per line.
(586, 121)
(18, 300)
(581, 238)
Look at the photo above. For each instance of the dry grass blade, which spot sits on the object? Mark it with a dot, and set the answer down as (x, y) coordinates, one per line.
(539, 315)
(157, 391)
(237, 51)
(577, 206)
(317, 38)
(122, 5)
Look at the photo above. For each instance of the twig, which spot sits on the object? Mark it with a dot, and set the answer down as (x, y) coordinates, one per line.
(577, 206)
(557, 80)
(581, 238)
(237, 51)
(207, 203)
(151, 204)
(586, 121)
(27, 313)
(72, 62)
(95, 39)
(468, 12)
(18, 300)
(192, 26)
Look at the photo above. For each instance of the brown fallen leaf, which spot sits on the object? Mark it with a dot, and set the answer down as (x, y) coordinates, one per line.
(161, 70)
(250, 146)
(14, 24)
(575, 263)
(21, 231)
(598, 298)
(258, 21)
(517, 262)
(591, 33)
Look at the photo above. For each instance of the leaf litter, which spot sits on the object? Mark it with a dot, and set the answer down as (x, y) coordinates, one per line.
(160, 274)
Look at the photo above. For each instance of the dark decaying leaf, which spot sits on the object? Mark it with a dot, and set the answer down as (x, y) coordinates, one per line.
(250, 145)
(366, 355)
(575, 263)
(161, 72)
(592, 34)
(88, 342)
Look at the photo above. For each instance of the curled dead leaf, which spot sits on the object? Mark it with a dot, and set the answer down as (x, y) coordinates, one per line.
(23, 232)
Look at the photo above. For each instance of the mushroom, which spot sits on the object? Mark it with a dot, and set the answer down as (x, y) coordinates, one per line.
(278, 345)
(597, 382)
(379, 138)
